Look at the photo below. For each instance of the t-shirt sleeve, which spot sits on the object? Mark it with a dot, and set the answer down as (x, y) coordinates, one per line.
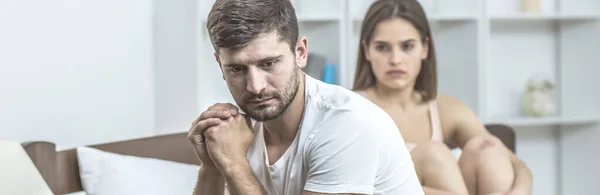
(343, 157)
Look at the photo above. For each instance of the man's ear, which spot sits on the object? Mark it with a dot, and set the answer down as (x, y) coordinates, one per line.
(219, 62)
(301, 50)
(217, 58)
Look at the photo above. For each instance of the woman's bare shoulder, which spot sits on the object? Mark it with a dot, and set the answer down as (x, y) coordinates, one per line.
(450, 106)
(453, 113)
(451, 102)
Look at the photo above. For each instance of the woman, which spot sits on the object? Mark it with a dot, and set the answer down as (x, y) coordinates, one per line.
(396, 69)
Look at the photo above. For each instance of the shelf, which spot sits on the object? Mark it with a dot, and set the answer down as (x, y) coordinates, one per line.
(441, 18)
(533, 121)
(544, 16)
(452, 17)
(312, 18)
(319, 17)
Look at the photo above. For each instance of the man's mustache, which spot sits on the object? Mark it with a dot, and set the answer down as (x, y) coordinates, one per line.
(265, 95)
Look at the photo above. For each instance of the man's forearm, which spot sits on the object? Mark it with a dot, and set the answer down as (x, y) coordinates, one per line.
(523, 176)
(210, 182)
(242, 181)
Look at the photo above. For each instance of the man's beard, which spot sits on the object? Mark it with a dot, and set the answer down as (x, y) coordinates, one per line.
(284, 98)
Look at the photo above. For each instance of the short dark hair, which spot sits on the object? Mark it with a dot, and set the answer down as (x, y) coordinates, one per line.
(232, 24)
(412, 11)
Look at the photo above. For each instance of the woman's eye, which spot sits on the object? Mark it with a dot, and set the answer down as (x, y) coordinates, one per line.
(408, 46)
(380, 47)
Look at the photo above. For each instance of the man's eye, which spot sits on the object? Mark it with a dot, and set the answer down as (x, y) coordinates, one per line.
(269, 63)
(235, 69)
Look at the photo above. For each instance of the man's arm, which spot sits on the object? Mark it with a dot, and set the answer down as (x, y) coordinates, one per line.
(242, 181)
(210, 179)
(210, 182)
(227, 143)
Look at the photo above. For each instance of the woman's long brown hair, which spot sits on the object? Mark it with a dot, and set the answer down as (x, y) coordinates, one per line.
(412, 11)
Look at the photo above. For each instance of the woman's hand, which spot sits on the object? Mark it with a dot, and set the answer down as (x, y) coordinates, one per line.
(519, 192)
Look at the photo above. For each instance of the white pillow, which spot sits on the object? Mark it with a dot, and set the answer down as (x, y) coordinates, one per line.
(77, 193)
(104, 173)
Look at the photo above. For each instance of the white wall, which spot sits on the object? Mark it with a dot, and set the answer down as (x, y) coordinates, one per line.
(76, 72)
(211, 86)
(176, 67)
(537, 147)
(99, 71)
(83, 73)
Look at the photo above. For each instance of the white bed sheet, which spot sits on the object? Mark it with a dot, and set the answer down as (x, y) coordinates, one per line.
(456, 152)
(77, 193)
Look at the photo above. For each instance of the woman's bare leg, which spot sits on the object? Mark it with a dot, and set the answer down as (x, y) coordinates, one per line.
(438, 169)
(486, 167)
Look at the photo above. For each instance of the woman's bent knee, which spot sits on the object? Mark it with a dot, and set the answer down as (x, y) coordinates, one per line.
(483, 151)
(438, 168)
(483, 145)
(433, 153)
(485, 163)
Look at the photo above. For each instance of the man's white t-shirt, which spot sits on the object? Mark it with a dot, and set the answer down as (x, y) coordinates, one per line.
(345, 144)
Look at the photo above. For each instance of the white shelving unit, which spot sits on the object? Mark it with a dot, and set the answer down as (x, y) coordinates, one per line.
(546, 121)
(545, 16)
(557, 42)
(487, 50)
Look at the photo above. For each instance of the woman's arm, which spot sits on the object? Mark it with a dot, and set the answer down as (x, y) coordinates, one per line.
(432, 191)
(465, 126)
(523, 176)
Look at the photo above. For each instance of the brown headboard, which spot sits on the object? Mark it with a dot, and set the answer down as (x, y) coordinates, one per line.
(61, 171)
(505, 133)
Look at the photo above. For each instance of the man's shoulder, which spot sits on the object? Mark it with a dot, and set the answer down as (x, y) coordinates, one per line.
(337, 97)
(338, 106)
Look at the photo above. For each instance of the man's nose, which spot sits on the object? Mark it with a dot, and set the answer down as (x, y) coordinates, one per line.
(256, 81)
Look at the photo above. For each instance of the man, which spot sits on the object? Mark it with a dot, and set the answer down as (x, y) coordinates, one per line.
(297, 135)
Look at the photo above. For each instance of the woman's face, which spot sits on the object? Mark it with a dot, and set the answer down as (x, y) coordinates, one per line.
(396, 52)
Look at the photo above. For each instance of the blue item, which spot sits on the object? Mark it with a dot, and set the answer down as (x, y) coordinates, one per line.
(329, 73)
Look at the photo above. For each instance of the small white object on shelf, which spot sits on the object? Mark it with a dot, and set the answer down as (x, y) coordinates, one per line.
(530, 6)
(539, 99)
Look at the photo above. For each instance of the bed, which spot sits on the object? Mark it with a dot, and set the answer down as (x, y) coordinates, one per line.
(61, 169)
